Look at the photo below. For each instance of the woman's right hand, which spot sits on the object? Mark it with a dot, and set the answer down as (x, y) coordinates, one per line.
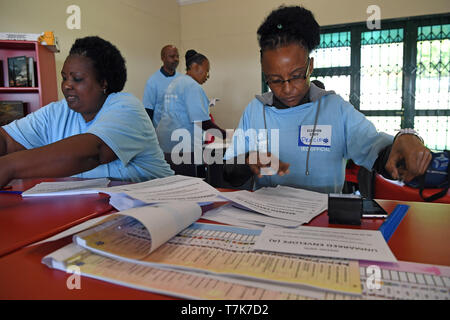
(264, 163)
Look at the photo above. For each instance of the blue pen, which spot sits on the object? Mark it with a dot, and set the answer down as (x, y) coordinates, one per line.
(393, 220)
(10, 192)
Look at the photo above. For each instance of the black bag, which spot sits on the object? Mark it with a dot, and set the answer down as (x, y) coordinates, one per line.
(437, 176)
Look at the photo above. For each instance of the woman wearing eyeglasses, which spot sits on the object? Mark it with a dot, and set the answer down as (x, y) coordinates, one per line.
(300, 135)
(186, 110)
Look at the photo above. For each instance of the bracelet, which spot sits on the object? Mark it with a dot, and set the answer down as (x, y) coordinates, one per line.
(408, 131)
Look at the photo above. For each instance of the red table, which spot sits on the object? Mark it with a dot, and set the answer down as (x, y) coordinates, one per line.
(27, 220)
(423, 236)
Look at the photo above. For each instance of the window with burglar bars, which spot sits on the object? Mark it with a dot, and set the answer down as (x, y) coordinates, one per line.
(398, 76)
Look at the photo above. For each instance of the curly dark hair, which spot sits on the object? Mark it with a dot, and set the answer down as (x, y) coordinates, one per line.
(287, 25)
(193, 56)
(108, 61)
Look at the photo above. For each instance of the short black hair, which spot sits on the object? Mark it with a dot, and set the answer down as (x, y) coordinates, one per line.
(318, 83)
(193, 56)
(108, 61)
(289, 25)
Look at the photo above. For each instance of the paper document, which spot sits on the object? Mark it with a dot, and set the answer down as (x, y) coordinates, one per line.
(282, 202)
(71, 231)
(187, 285)
(244, 218)
(326, 242)
(405, 280)
(213, 101)
(170, 189)
(216, 250)
(135, 233)
(66, 187)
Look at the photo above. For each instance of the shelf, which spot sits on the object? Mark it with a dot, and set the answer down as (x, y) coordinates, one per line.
(18, 90)
(45, 68)
(18, 45)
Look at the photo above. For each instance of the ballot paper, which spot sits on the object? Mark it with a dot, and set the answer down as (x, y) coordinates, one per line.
(177, 283)
(138, 236)
(171, 189)
(66, 188)
(282, 202)
(352, 244)
(244, 218)
(134, 233)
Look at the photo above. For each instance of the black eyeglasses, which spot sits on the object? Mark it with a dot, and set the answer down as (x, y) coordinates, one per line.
(295, 80)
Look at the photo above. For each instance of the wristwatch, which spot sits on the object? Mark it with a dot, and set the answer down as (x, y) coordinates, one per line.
(408, 131)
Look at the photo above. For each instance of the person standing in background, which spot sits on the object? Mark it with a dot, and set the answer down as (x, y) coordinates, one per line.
(157, 84)
(186, 111)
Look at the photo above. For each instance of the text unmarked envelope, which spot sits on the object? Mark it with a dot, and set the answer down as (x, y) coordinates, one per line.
(326, 242)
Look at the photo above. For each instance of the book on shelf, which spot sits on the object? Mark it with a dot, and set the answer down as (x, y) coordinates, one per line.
(19, 36)
(10, 111)
(22, 72)
(18, 71)
(32, 79)
(2, 83)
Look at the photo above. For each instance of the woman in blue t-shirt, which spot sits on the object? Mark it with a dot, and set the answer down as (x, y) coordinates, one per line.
(300, 135)
(94, 132)
(186, 110)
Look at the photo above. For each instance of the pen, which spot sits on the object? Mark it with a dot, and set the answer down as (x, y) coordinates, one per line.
(393, 220)
(376, 216)
(10, 192)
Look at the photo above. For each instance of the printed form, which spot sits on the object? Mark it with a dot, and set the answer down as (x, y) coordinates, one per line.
(219, 250)
(282, 202)
(170, 189)
(59, 188)
(327, 242)
(187, 285)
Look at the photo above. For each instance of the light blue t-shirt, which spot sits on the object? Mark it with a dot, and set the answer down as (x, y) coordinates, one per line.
(121, 123)
(185, 103)
(342, 133)
(155, 89)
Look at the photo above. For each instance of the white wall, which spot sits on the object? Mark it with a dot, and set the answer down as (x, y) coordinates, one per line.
(139, 28)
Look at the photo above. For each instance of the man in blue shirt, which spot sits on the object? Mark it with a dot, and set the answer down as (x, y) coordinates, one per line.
(157, 84)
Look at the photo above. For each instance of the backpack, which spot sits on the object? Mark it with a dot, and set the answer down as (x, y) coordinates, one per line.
(437, 176)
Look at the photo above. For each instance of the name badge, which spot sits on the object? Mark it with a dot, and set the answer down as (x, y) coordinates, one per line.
(321, 137)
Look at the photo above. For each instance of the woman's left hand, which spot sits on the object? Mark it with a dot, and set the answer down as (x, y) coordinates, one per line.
(409, 151)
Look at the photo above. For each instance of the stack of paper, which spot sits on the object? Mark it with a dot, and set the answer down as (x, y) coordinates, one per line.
(187, 285)
(165, 190)
(66, 188)
(281, 206)
(140, 237)
(232, 215)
